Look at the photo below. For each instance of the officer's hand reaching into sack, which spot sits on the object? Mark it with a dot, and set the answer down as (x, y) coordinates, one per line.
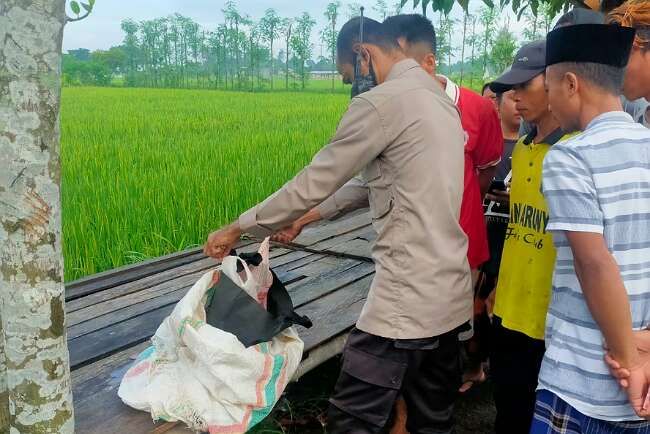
(222, 241)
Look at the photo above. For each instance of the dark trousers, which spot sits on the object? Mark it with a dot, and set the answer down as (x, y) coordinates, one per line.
(515, 361)
(426, 372)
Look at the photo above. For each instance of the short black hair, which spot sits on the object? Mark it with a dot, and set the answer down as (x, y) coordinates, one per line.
(373, 33)
(415, 28)
(606, 77)
(485, 86)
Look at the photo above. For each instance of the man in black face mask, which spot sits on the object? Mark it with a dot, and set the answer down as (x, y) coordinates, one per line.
(362, 83)
(404, 136)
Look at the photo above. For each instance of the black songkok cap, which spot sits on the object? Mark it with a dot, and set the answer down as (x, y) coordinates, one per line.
(590, 43)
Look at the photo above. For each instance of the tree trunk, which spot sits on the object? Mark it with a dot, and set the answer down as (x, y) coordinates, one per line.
(272, 60)
(286, 74)
(333, 45)
(485, 46)
(462, 52)
(471, 75)
(35, 395)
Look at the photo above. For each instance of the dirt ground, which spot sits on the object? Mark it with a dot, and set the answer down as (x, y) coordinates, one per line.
(303, 408)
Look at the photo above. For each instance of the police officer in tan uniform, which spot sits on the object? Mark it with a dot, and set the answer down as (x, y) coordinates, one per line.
(405, 137)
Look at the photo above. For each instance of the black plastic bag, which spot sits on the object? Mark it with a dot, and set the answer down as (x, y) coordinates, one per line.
(232, 310)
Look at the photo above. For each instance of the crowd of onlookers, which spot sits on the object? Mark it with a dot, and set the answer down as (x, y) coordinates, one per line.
(513, 228)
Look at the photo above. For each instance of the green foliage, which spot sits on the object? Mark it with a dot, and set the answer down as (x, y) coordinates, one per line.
(503, 50)
(553, 6)
(97, 70)
(151, 171)
(75, 7)
(354, 9)
(488, 20)
(538, 25)
(381, 9)
(301, 44)
(444, 37)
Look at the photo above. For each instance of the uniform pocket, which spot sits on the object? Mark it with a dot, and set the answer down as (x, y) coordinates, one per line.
(368, 386)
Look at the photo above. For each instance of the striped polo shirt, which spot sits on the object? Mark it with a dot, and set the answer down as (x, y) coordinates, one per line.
(597, 181)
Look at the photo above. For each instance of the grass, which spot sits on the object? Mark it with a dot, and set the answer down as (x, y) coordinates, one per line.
(151, 171)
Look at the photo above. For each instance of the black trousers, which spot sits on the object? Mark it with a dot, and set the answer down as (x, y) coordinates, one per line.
(426, 372)
(515, 361)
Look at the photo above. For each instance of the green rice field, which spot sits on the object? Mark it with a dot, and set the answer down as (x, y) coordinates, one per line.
(151, 171)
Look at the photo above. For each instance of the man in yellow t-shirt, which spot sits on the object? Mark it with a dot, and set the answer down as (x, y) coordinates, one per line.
(524, 285)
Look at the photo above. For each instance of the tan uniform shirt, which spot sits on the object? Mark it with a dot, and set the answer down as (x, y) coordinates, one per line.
(406, 139)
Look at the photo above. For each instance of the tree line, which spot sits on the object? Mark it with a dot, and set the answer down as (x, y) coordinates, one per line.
(277, 52)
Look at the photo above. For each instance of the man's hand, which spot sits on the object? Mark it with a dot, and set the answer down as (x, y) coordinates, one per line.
(222, 241)
(290, 233)
(635, 380)
(642, 340)
(638, 385)
(287, 234)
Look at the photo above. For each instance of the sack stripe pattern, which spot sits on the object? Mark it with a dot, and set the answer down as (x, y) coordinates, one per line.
(265, 390)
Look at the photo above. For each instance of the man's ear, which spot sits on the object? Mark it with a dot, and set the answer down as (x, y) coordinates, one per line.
(429, 63)
(364, 54)
(402, 43)
(572, 83)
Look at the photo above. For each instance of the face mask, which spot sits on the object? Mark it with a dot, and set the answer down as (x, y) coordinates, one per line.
(363, 83)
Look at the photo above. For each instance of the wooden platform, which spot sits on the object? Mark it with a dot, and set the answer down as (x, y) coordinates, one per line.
(112, 315)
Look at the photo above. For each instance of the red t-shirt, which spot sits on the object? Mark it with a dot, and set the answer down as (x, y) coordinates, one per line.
(483, 149)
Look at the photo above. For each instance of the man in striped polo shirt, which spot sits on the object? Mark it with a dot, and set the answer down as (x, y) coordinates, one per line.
(597, 186)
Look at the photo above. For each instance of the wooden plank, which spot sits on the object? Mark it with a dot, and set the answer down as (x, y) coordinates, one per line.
(329, 244)
(356, 247)
(315, 234)
(160, 280)
(322, 265)
(311, 289)
(100, 343)
(131, 311)
(335, 313)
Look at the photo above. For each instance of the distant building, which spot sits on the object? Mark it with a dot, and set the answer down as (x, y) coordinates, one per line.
(323, 75)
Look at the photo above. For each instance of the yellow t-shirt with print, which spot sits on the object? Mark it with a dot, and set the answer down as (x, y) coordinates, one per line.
(524, 286)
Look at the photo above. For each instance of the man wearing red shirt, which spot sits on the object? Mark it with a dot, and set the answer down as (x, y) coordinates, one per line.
(483, 151)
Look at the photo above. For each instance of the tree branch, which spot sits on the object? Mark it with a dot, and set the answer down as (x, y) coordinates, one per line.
(79, 18)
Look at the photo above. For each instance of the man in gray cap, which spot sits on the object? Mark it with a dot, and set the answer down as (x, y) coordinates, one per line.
(524, 284)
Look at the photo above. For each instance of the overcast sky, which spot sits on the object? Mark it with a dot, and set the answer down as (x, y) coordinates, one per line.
(101, 30)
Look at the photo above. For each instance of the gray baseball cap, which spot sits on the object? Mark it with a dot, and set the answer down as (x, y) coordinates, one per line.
(530, 61)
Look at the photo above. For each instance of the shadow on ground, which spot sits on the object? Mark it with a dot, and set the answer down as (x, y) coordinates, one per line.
(303, 408)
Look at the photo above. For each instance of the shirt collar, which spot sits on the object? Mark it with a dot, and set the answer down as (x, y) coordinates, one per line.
(451, 89)
(616, 116)
(551, 139)
(401, 67)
